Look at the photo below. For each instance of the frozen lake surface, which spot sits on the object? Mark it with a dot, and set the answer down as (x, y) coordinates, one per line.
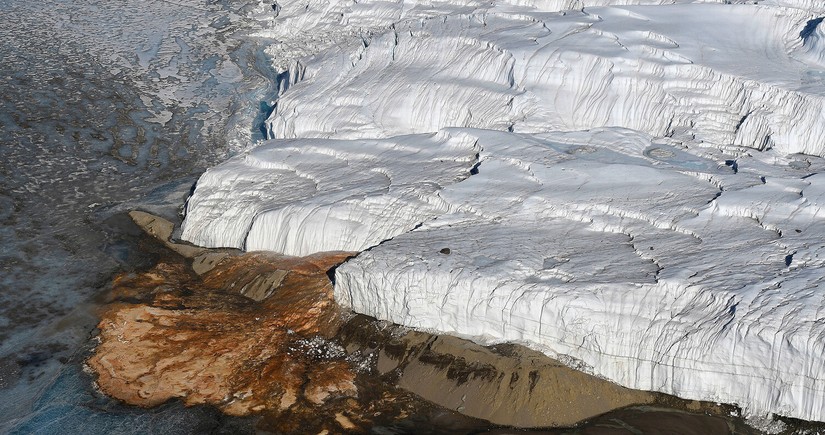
(104, 106)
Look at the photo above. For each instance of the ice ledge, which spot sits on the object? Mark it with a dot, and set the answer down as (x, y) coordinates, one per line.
(298, 197)
(666, 267)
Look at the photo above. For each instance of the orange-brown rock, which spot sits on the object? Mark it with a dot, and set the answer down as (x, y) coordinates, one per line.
(170, 333)
(328, 379)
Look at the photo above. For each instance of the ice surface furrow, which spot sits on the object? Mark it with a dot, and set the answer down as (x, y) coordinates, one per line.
(603, 72)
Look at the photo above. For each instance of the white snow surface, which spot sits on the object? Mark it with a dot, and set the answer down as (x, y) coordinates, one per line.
(724, 74)
(636, 186)
(289, 196)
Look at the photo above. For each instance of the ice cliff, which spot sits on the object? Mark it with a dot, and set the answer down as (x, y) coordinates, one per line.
(289, 196)
(633, 186)
(658, 269)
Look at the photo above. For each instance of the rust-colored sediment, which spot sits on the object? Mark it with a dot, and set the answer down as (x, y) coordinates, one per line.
(169, 333)
(255, 333)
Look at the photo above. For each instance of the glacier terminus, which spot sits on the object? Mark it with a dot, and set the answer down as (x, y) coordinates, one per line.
(635, 187)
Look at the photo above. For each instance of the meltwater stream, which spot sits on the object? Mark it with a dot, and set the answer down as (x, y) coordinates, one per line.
(105, 106)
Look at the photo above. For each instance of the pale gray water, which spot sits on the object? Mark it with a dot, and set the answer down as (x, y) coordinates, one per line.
(105, 105)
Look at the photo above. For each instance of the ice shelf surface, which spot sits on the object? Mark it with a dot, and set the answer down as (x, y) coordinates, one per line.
(635, 187)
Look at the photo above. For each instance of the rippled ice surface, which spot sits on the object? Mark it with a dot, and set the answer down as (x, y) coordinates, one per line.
(105, 106)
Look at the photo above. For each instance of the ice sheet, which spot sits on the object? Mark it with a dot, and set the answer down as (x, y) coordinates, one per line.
(627, 191)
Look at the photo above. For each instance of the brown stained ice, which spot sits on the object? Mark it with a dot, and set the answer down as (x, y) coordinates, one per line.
(169, 333)
(249, 334)
(260, 333)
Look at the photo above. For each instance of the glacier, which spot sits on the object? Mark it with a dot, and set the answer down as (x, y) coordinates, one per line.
(635, 187)
(277, 196)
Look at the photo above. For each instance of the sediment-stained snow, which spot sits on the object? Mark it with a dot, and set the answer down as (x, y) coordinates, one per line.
(621, 184)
